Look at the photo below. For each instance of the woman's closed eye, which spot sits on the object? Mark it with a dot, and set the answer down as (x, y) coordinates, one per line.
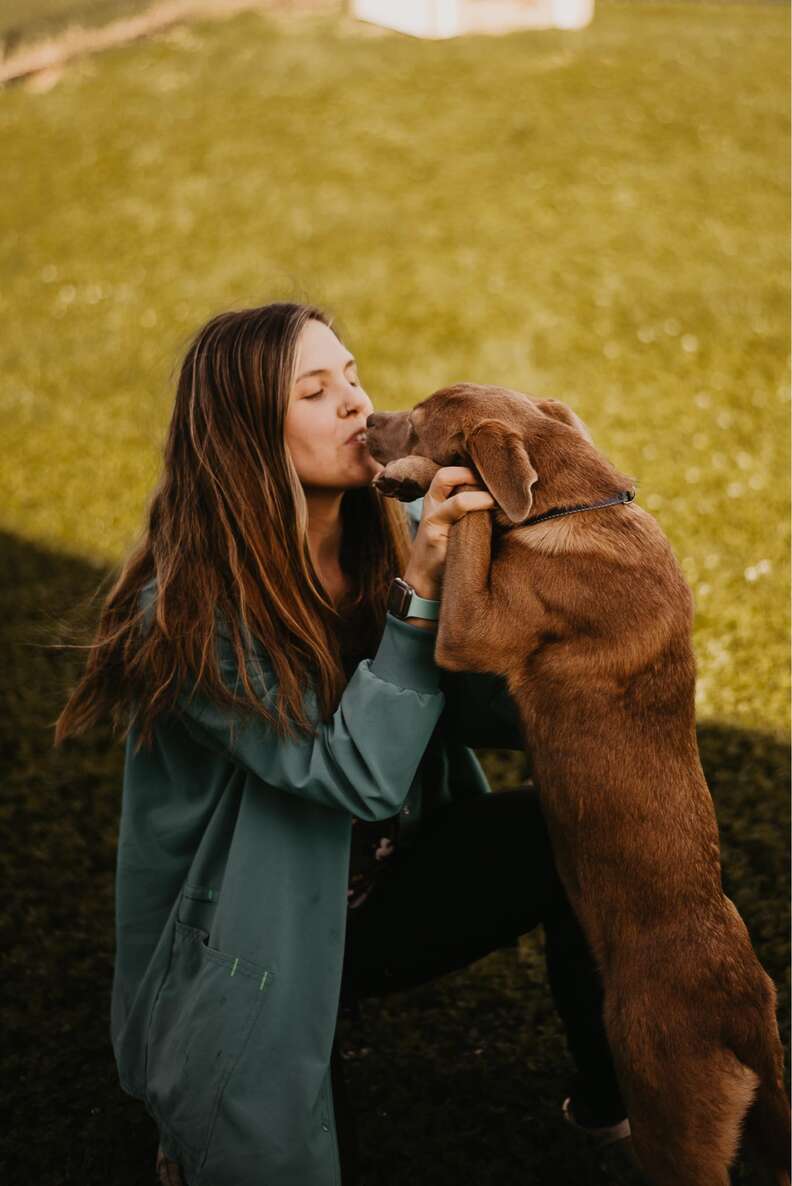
(352, 378)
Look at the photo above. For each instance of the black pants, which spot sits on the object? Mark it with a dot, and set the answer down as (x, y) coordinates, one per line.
(477, 874)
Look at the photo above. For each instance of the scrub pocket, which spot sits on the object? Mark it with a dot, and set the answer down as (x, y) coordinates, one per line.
(201, 1021)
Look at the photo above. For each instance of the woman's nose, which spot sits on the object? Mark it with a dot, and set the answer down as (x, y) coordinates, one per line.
(357, 399)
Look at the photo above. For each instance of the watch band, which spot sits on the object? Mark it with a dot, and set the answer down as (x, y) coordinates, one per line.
(404, 602)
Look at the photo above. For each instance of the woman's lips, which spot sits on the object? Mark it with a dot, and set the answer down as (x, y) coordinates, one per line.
(358, 439)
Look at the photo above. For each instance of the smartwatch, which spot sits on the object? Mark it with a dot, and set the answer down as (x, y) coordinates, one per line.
(404, 602)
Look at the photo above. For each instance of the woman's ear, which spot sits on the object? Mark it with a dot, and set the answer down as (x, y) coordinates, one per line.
(501, 458)
(560, 411)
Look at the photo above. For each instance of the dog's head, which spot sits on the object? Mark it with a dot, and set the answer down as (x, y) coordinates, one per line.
(503, 434)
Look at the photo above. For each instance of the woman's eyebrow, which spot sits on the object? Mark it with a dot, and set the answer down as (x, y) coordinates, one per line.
(324, 370)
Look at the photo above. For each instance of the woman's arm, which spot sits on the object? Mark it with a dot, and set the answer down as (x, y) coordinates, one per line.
(364, 758)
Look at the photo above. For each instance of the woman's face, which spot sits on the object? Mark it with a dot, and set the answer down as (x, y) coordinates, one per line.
(326, 406)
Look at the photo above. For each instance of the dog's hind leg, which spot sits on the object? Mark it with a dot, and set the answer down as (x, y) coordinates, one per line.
(754, 1038)
(767, 1131)
(767, 1125)
(686, 1125)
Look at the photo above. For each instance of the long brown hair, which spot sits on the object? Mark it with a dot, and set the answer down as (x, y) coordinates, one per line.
(227, 537)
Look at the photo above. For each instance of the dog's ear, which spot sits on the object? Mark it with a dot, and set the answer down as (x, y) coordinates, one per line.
(560, 411)
(500, 456)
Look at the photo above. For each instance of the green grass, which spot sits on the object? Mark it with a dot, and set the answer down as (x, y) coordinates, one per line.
(598, 216)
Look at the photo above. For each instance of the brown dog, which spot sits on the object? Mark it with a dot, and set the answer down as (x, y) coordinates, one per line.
(589, 618)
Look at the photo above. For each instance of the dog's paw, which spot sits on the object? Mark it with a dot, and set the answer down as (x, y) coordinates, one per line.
(405, 489)
(406, 478)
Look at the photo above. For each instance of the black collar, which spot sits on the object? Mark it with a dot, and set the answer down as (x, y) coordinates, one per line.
(622, 496)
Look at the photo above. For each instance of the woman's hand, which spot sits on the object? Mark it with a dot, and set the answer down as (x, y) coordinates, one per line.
(441, 508)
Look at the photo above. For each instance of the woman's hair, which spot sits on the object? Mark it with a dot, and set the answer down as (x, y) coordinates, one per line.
(227, 535)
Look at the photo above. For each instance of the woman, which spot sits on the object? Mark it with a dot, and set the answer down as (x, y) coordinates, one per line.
(303, 819)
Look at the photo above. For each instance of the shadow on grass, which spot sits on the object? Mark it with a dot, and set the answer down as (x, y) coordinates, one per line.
(456, 1081)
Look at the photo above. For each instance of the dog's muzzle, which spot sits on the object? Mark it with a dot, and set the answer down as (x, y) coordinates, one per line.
(388, 436)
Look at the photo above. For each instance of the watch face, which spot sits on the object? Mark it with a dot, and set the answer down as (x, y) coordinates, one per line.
(399, 597)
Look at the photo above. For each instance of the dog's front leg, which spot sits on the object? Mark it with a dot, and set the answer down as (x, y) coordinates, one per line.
(406, 478)
(466, 630)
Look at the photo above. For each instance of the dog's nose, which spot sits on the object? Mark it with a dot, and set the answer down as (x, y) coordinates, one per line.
(371, 421)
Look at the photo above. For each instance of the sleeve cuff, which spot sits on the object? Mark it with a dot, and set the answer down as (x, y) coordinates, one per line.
(405, 656)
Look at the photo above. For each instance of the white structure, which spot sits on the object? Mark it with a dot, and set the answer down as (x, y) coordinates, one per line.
(449, 18)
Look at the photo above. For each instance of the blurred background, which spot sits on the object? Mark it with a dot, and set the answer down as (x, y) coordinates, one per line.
(598, 214)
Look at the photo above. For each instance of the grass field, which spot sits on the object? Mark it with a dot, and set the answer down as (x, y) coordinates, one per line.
(599, 216)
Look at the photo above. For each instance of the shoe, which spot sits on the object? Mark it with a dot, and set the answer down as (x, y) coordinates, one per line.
(601, 1135)
(168, 1171)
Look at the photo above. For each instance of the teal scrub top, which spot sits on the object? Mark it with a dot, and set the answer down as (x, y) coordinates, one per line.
(231, 907)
